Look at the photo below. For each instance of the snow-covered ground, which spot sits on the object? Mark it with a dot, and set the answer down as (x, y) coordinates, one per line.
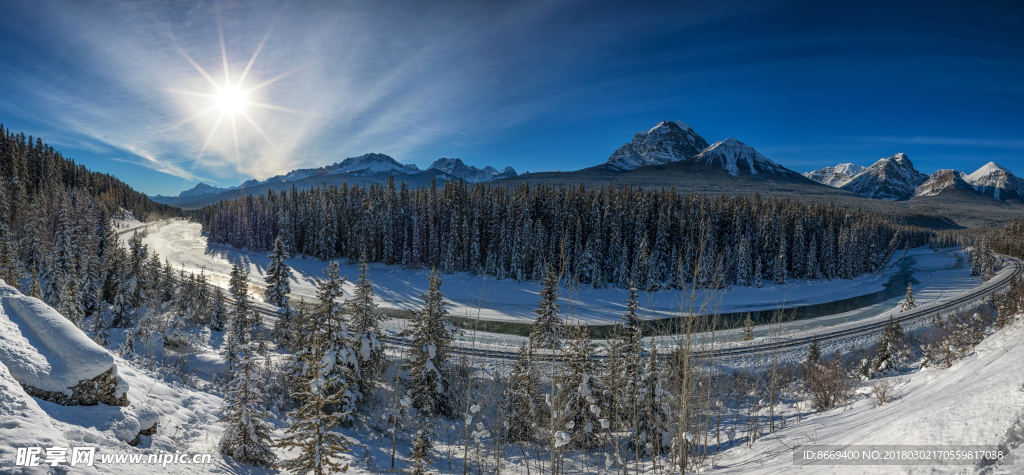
(979, 401)
(940, 274)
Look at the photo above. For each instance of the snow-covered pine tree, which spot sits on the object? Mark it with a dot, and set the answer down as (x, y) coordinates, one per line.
(651, 437)
(547, 328)
(580, 401)
(278, 274)
(278, 289)
(909, 303)
(367, 335)
(748, 328)
(218, 311)
(328, 324)
(34, 289)
(779, 266)
(10, 267)
(242, 317)
(319, 448)
(246, 438)
(522, 399)
(428, 354)
(813, 352)
(100, 329)
(887, 356)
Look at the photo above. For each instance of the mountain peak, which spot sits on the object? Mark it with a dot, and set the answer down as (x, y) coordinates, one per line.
(986, 170)
(836, 176)
(891, 178)
(456, 168)
(737, 158)
(669, 141)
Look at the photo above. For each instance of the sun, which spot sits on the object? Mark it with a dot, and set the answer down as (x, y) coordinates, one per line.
(230, 100)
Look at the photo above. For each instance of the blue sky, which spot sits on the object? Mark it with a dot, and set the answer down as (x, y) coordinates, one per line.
(538, 85)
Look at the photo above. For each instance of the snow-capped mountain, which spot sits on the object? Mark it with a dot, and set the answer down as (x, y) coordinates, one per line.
(836, 176)
(737, 158)
(944, 181)
(669, 141)
(890, 178)
(367, 165)
(454, 167)
(997, 182)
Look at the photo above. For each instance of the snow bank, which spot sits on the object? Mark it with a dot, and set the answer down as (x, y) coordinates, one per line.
(44, 350)
(22, 424)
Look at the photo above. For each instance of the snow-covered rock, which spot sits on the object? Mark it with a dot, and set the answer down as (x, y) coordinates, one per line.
(941, 181)
(997, 182)
(454, 167)
(737, 158)
(51, 357)
(201, 189)
(669, 141)
(371, 163)
(890, 178)
(836, 176)
(23, 424)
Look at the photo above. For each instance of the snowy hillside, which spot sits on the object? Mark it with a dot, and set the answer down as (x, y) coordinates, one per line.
(997, 182)
(669, 141)
(737, 158)
(836, 176)
(455, 168)
(975, 402)
(890, 178)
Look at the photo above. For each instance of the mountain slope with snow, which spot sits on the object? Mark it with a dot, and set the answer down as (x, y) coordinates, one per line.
(736, 158)
(455, 168)
(945, 182)
(836, 176)
(997, 182)
(669, 141)
(890, 178)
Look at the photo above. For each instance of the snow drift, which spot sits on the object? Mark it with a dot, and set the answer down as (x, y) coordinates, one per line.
(51, 357)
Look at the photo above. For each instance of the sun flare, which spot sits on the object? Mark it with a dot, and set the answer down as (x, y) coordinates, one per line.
(230, 100)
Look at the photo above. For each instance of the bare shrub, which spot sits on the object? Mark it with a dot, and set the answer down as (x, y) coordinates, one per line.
(882, 391)
(955, 337)
(829, 383)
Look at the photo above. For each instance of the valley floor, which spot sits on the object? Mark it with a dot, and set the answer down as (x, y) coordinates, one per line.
(940, 275)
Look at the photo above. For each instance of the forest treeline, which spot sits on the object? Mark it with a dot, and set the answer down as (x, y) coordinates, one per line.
(598, 236)
(55, 224)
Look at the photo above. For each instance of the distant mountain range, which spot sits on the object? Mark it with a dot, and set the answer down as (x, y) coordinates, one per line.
(670, 154)
(372, 167)
(895, 178)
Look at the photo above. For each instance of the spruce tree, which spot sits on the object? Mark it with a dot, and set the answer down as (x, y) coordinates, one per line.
(328, 324)
(748, 328)
(428, 354)
(813, 352)
(522, 399)
(319, 448)
(367, 335)
(242, 317)
(547, 327)
(218, 311)
(277, 277)
(580, 402)
(909, 303)
(652, 436)
(246, 438)
(887, 356)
